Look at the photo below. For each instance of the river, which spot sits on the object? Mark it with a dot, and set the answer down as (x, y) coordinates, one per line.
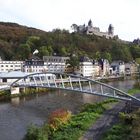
(16, 115)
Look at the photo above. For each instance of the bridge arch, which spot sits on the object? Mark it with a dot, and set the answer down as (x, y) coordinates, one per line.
(72, 82)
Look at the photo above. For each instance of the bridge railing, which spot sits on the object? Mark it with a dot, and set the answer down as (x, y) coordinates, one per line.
(72, 83)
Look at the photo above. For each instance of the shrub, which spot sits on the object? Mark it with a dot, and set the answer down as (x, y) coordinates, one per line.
(59, 118)
(117, 132)
(137, 84)
(127, 118)
(97, 108)
(35, 133)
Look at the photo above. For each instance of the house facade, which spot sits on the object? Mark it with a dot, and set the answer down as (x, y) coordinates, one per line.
(7, 66)
(118, 67)
(104, 67)
(34, 64)
(131, 68)
(86, 68)
(55, 63)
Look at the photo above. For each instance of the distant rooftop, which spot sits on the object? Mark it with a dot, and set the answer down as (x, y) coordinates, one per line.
(13, 74)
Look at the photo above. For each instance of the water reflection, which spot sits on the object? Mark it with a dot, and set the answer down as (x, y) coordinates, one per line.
(15, 101)
(87, 98)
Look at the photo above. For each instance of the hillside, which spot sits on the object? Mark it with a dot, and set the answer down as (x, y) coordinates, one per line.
(18, 42)
(12, 35)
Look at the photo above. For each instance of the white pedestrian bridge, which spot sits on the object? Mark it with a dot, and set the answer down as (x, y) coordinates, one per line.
(70, 82)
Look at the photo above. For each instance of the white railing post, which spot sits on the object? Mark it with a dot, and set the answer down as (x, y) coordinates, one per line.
(102, 92)
(23, 82)
(54, 81)
(70, 82)
(35, 81)
(114, 93)
(47, 80)
(41, 81)
(80, 84)
(90, 86)
(29, 81)
(62, 81)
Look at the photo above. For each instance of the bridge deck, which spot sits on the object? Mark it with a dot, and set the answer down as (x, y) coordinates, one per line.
(72, 83)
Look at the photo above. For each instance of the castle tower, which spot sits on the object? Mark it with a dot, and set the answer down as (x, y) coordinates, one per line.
(111, 30)
(90, 24)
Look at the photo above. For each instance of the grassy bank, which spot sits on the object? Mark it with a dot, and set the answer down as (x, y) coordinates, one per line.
(112, 79)
(127, 129)
(118, 132)
(5, 95)
(134, 91)
(73, 128)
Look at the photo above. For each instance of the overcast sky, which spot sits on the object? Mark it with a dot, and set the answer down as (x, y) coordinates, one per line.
(51, 14)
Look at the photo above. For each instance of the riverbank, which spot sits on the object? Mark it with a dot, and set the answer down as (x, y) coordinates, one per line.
(5, 95)
(128, 127)
(134, 91)
(74, 128)
(111, 79)
(110, 118)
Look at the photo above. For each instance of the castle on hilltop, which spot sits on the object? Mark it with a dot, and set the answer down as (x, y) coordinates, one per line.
(90, 30)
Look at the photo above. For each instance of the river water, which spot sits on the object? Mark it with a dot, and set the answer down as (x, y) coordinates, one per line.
(16, 115)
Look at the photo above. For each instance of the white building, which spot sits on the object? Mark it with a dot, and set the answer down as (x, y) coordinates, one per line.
(6, 66)
(96, 70)
(104, 67)
(131, 68)
(34, 64)
(55, 63)
(86, 69)
(118, 67)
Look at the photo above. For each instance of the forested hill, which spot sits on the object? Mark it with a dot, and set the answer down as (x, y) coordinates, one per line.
(18, 43)
(11, 36)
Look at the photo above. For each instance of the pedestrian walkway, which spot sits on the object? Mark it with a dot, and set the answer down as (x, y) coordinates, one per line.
(109, 118)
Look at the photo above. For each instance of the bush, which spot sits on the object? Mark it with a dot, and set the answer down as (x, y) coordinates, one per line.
(58, 118)
(127, 118)
(35, 133)
(97, 108)
(117, 132)
(137, 84)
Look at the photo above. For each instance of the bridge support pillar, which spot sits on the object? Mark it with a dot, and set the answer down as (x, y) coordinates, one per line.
(14, 90)
(128, 107)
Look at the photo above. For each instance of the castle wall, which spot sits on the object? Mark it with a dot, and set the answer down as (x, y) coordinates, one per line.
(96, 32)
